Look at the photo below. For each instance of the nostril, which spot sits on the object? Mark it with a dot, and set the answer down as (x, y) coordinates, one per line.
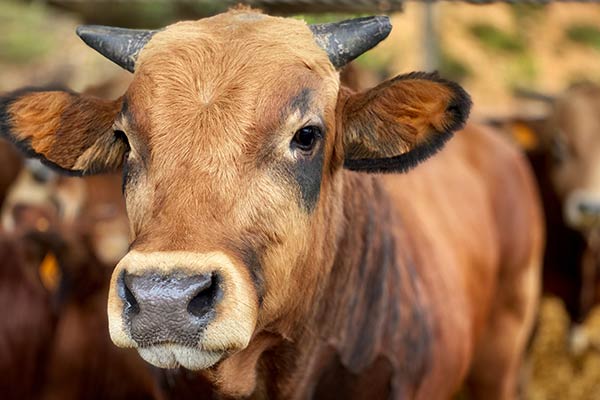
(205, 299)
(131, 304)
(588, 208)
(583, 207)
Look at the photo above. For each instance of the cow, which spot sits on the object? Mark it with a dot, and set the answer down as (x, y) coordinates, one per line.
(53, 341)
(81, 362)
(278, 250)
(57, 267)
(561, 145)
(40, 199)
(27, 325)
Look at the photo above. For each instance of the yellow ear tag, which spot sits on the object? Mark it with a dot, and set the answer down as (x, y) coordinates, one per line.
(525, 136)
(49, 272)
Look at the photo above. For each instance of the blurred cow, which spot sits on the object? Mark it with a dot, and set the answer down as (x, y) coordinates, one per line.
(40, 198)
(65, 236)
(27, 324)
(564, 150)
(53, 341)
(82, 362)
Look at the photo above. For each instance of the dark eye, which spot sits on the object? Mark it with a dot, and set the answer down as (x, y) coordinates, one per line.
(306, 138)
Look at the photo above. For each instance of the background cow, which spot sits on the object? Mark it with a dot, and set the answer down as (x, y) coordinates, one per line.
(268, 252)
(55, 342)
(563, 148)
(28, 322)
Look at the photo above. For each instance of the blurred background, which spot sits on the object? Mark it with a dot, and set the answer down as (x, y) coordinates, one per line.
(531, 68)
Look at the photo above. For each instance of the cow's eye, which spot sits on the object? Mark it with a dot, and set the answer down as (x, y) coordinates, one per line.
(306, 138)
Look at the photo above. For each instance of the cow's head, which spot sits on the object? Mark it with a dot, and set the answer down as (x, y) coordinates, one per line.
(233, 138)
(568, 139)
(574, 139)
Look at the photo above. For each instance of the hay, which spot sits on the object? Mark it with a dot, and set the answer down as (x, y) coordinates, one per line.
(564, 363)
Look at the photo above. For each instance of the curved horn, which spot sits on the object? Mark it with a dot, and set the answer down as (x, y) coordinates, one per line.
(119, 45)
(344, 41)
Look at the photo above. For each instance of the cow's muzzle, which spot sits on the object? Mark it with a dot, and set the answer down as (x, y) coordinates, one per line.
(182, 308)
(582, 210)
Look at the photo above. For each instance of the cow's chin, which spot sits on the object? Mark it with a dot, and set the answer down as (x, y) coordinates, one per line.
(175, 355)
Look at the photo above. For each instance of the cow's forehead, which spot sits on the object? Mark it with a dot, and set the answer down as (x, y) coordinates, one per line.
(227, 75)
(234, 40)
(575, 116)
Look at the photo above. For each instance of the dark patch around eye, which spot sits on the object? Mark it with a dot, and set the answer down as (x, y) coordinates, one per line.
(131, 172)
(125, 107)
(306, 172)
(125, 177)
(301, 101)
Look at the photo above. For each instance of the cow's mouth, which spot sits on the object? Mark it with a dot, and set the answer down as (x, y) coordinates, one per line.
(180, 308)
(169, 355)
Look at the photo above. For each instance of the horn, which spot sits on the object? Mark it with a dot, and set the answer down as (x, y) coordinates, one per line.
(119, 45)
(344, 41)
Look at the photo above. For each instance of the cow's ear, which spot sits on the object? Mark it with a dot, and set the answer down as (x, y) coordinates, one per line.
(71, 133)
(394, 126)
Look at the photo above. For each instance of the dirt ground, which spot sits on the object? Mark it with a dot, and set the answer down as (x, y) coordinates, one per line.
(564, 361)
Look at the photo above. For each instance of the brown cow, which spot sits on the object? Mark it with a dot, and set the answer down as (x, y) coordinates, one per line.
(54, 343)
(269, 255)
(64, 351)
(27, 323)
(81, 362)
(563, 148)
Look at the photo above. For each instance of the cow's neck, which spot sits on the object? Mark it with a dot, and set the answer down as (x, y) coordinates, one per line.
(369, 319)
(368, 334)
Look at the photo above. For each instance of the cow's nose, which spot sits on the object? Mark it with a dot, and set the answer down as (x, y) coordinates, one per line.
(582, 209)
(589, 208)
(172, 308)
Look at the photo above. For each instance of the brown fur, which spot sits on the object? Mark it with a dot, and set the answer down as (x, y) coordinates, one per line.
(81, 361)
(564, 156)
(54, 342)
(28, 323)
(83, 123)
(402, 114)
(402, 278)
(10, 165)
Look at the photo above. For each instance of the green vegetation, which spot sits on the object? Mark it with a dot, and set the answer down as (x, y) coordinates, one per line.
(587, 35)
(524, 69)
(21, 32)
(375, 61)
(326, 17)
(497, 40)
(451, 68)
(527, 12)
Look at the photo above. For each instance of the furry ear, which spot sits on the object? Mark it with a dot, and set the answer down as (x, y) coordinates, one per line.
(71, 133)
(394, 126)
